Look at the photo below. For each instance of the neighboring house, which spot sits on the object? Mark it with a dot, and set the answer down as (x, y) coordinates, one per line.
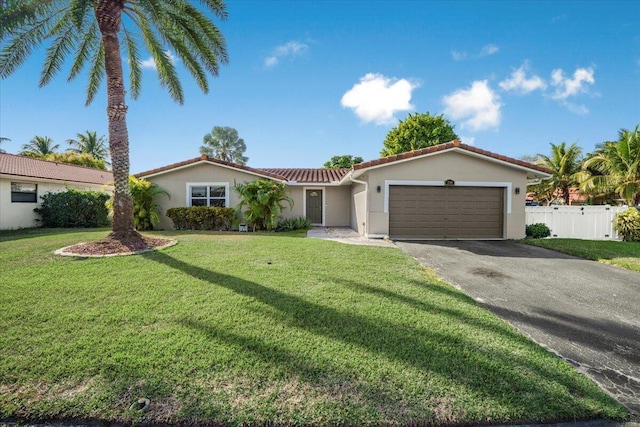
(446, 191)
(24, 179)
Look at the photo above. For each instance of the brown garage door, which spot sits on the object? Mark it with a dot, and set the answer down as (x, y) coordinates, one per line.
(445, 212)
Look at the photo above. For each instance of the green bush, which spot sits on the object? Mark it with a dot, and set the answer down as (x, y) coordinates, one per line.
(627, 223)
(261, 202)
(538, 230)
(201, 218)
(295, 223)
(74, 208)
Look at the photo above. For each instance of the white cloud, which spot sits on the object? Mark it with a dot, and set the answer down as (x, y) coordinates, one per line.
(458, 56)
(377, 98)
(479, 106)
(488, 50)
(566, 87)
(150, 63)
(469, 140)
(290, 49)
(520, 83)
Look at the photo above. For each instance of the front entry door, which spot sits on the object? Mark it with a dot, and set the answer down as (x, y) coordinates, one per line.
(314, 206)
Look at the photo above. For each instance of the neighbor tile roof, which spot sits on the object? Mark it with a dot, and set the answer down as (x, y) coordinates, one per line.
(212, 160)
(11, 164)
(448, 146)
(324, 176)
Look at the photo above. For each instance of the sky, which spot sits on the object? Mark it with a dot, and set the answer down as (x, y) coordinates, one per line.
(308, 80)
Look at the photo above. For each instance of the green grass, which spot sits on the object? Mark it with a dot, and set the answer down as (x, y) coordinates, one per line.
(231, 329)
(621, 254)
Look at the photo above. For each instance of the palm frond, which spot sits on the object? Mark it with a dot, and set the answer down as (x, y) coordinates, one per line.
(20, 46)
(65, 38)
(96, 74)
(135, 68)
(86, 49)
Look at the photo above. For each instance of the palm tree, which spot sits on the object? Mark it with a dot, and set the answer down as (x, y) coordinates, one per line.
(564, 163)
(90, 143)
(223, 143)
(91, 32)
(615, 166)
(39, 146)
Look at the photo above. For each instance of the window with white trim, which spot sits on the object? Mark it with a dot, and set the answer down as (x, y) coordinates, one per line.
(22, 192)
(214, 194)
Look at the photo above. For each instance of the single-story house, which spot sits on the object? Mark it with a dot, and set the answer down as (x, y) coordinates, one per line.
(447, 191)
(24, 179)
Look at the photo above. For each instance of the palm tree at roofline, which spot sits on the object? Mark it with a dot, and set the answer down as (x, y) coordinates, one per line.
(564, 163)
(39, 146)
(92, 30)
(90, 143)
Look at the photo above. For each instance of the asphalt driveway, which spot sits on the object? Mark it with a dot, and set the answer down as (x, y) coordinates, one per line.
(586, 312)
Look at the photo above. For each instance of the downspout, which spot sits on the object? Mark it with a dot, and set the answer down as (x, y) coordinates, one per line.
(366, 205)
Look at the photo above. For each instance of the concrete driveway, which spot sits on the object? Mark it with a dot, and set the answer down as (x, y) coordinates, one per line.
(587, 312)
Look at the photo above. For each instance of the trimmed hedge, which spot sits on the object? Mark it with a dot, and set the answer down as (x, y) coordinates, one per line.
(201, 218)
(74, 208)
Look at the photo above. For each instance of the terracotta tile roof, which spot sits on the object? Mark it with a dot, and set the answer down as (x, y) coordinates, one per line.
(447, 146)
(11, 164)
(321, 175)
(263, 172)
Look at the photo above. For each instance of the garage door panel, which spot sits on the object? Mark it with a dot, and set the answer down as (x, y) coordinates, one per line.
(446, 212)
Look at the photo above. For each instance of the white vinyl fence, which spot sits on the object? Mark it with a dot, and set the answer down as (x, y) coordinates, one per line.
(577, 222)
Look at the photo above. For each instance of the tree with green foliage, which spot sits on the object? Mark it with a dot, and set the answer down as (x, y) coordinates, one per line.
(39, 146)
(615, 166)
(418, 131)
(146, 212)
(262, 201)
(90, 143)
(344, 161)
(99, 33)
(223, 143)
(3, 139)
(80, 159)
(564, 163)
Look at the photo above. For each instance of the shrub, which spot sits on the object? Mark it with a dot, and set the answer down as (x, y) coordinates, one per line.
(538, 230)
(74, 208)
(627, 223)
(295, 223)
(201, 218)
(262, 201)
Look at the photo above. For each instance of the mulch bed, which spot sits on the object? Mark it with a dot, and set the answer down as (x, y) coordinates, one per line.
(110, 246)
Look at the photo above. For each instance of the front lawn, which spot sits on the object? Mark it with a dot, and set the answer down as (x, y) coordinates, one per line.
(621, 254)
(230, 329)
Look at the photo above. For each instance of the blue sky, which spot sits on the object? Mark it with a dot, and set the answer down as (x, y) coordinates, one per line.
(308, 80)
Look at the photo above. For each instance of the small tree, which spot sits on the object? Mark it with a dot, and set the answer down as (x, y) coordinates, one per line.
(344, 161)
(627, 223)
(91, 143)
(262, 201)
(223, 143)
(80, 159)
(418, 131)
(564, 163)
(3, 139)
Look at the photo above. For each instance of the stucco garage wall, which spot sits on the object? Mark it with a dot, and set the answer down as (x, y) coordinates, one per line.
(21, 215)
(175, 183)
(443, 166)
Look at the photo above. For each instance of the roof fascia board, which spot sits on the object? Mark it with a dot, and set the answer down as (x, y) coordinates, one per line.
(359, 172)
(211, 163)
(51, 180)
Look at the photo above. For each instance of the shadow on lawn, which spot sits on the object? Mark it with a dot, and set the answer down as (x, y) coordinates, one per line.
(460, 358)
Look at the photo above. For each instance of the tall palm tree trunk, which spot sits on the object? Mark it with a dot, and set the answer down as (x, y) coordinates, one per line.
(108, 15)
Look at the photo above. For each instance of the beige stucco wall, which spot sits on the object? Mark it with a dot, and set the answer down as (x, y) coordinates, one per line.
(21, 215)
(443, 166)
(175, 183)
(358, 216)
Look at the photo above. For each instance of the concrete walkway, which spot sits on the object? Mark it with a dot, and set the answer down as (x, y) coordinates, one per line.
(346, 235)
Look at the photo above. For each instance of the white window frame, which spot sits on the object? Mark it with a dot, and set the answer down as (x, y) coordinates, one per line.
(208, 184)
(506, 185)
(324, 202)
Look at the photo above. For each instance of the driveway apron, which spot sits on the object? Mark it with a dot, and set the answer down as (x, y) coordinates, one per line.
(586, 312)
